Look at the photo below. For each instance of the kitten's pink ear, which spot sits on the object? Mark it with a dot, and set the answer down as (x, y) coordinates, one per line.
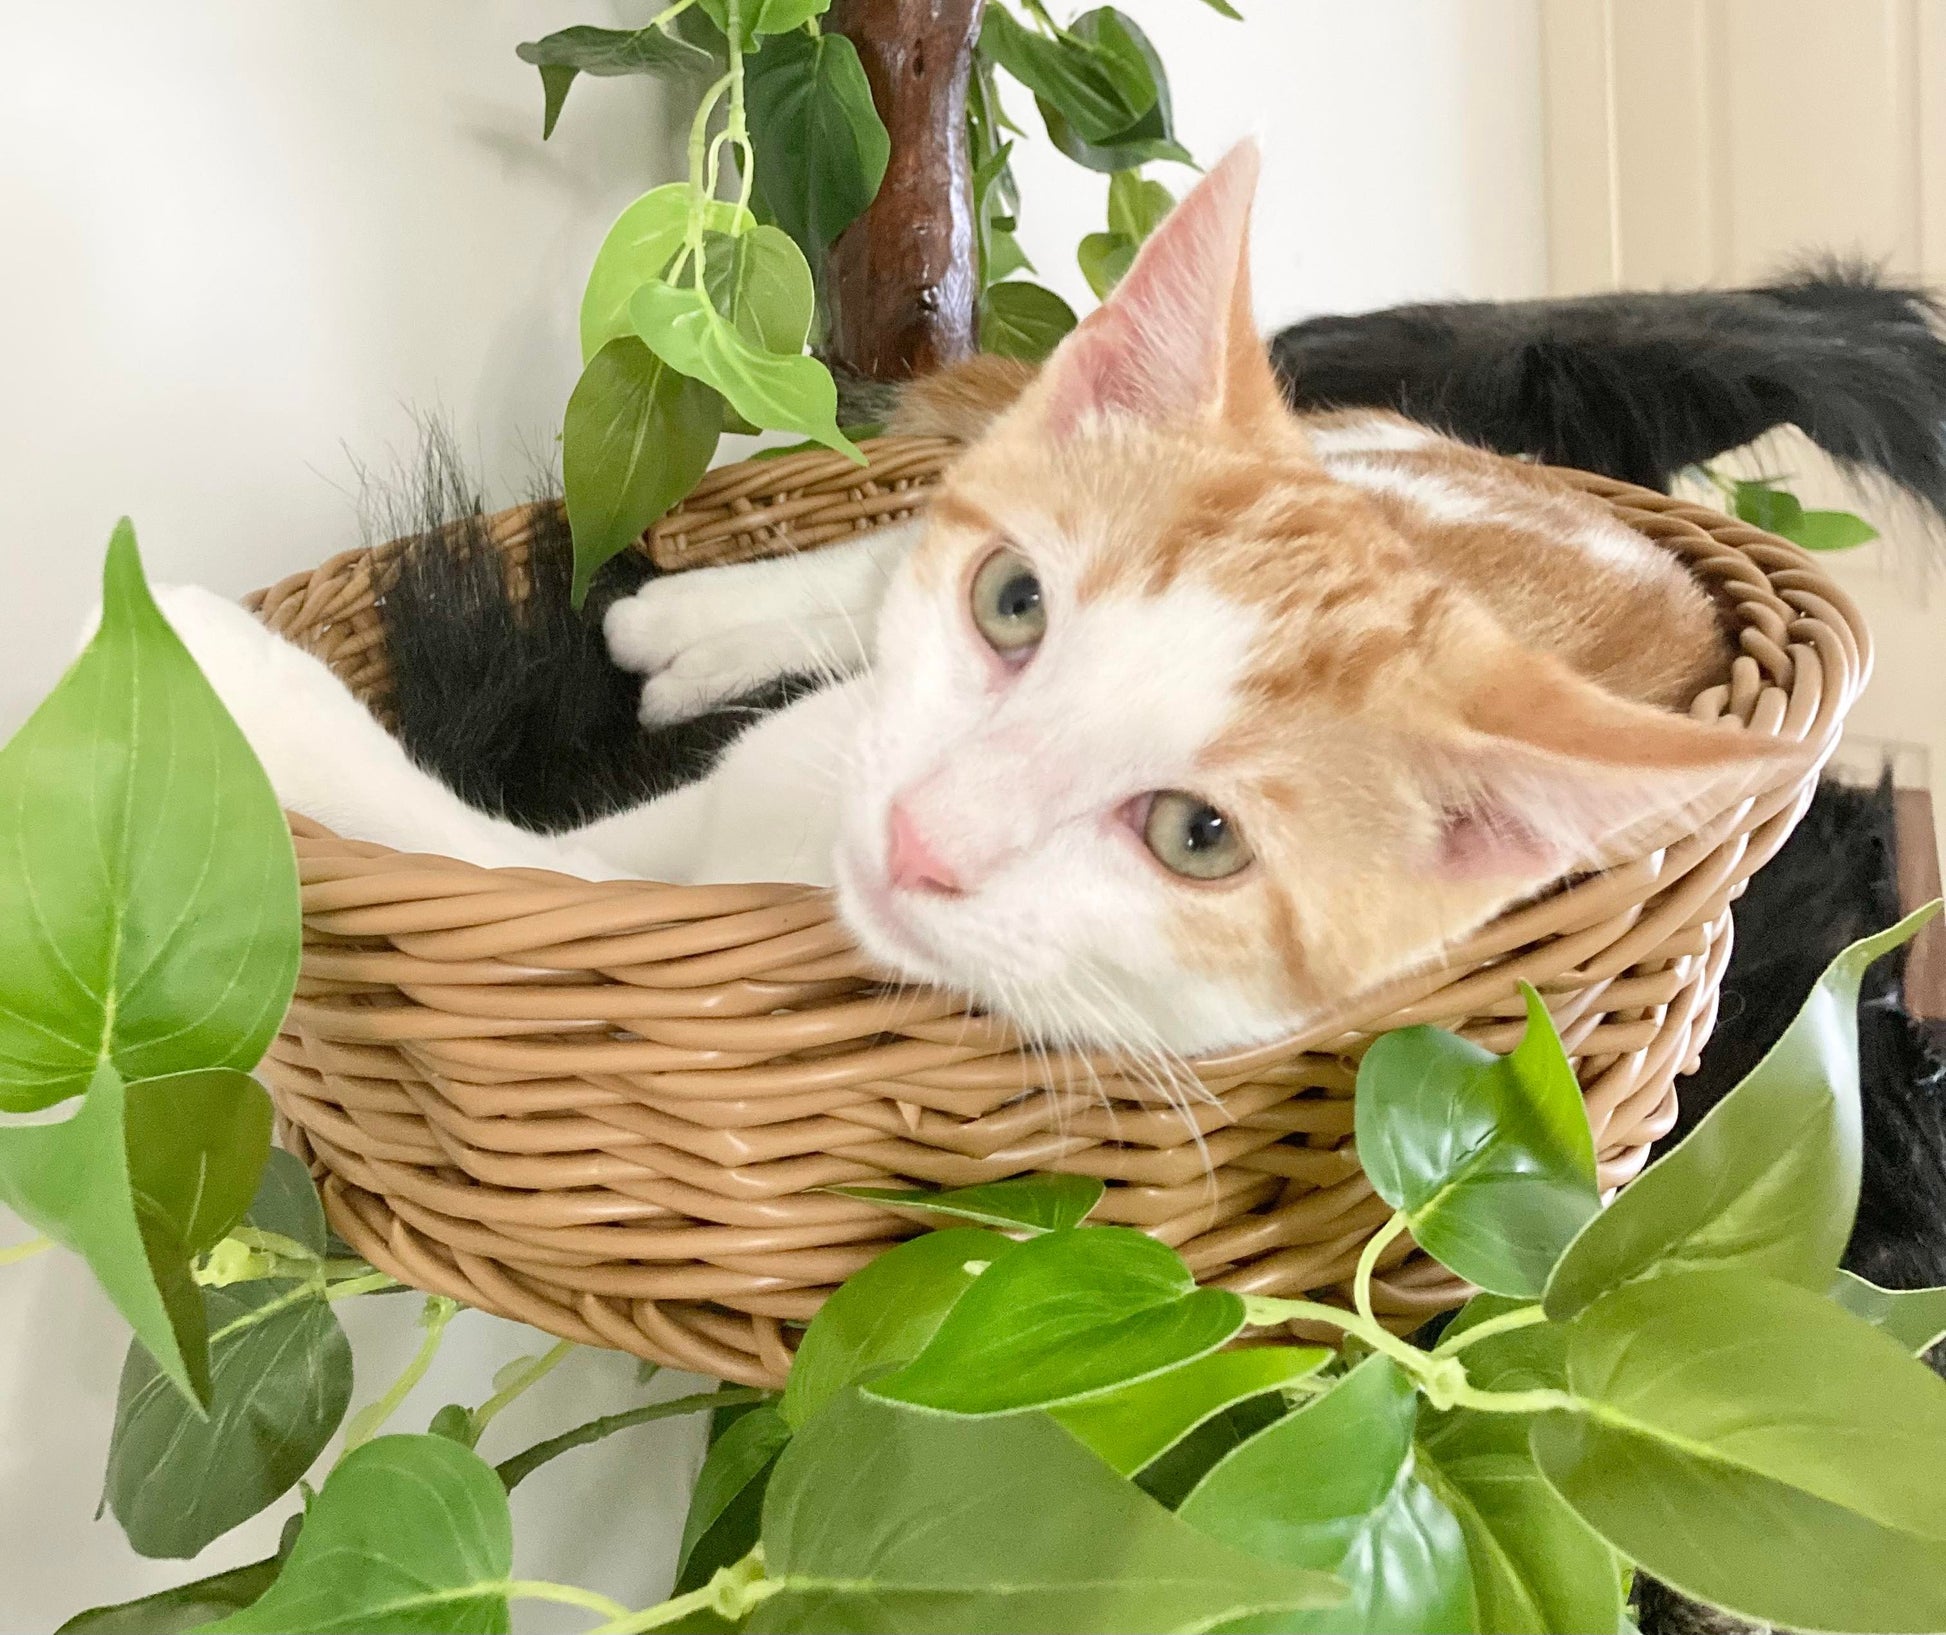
(1176, 340)
(1552, 771)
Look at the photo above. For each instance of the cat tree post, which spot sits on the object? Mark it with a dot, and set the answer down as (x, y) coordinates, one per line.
(903, 278)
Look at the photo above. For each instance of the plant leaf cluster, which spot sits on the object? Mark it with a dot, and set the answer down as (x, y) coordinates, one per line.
(699, 307)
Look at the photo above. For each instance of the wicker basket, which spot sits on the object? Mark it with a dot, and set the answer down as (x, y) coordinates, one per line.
(607, 1109)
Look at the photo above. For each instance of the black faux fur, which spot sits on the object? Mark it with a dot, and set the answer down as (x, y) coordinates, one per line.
(1638, 386)
(515, 704)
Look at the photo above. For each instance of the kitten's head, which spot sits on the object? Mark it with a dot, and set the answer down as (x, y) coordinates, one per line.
(1174, 741)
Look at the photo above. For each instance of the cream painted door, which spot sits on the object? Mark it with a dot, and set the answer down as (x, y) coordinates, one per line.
(1717, 141)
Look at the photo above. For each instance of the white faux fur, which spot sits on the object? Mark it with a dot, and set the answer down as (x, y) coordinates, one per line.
(766, 812)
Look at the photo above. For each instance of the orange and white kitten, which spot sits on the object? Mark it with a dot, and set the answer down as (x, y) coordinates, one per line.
(1179, 718)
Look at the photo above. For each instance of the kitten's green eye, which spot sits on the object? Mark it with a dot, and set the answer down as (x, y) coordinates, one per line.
(1192, 838)
(1008, 608)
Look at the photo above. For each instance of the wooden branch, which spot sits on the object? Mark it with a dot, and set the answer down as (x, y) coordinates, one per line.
(902, 280)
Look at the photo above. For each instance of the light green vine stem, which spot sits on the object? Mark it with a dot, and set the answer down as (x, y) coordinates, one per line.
(537, 1369)
(739, 129)
(1440, 1375)
(1376, 1245)
(698, 170)
(370, 1420)
(370, 1283)
(24, 1251)
(663, 18)
(731, 1592)
(541, 1589)
(736, 131)
(1525, 1317)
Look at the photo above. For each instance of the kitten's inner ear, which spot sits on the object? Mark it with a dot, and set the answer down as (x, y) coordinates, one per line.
(1550, 772)
(1176, 341)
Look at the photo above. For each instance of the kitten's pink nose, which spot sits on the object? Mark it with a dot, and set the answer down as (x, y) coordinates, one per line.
(910, 861)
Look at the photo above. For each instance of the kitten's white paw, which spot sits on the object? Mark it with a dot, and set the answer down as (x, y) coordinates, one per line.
(710, 635)
(713, 671)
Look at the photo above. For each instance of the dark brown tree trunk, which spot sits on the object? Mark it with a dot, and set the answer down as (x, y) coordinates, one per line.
(903, 278)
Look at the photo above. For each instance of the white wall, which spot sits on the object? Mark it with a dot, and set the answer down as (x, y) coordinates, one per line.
(243, 243)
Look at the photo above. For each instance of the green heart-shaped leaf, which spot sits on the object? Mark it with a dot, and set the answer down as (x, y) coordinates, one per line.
(646, 238)
(1022, 320)
(1832, 531)
(1104, 259)
(197, 1146)
(77, 1182)
(179, 1610)
(821, 147)
(884, 1519)
(585, 50)
(1332, 1488)
(760, 282)
(1489, 1157)
(1754, 1445)
(1037, 1203)
(781, 393)
(1061, 1317)
(637, 437)
(726, 1504)
(280, 1379)
(883, 1314)
(1136, 206)
(148, 892)
(1768, 1180)
(280, 1373)
(1916, 1318)
(1101, 89)
(1150, 137)
(409, 1534)
(1136, 1425)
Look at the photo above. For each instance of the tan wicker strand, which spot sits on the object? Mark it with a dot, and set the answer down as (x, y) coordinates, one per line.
(608, 1109)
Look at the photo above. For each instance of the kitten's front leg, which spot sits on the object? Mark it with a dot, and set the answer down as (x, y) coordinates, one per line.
(708, 635)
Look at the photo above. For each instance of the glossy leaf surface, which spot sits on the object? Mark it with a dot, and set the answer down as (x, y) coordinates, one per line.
(879, 1518)
(1022, 320)
(1752, 1444)
(1061, 1317)
(881, 1316)
(1332, 1487)
(637, 437)
(409, 1534)
(1768, 1180)
(148, 891)
(1916, 1318)
(1488, 1156)
(780, 393)
(1136, 1425)
(821, 146)
(280, 1370)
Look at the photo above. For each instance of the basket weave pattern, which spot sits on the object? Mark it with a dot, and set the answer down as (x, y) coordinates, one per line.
(605, 1108)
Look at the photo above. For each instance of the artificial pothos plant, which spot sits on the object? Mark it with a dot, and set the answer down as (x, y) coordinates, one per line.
(1015, 1420)
(706, 293)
